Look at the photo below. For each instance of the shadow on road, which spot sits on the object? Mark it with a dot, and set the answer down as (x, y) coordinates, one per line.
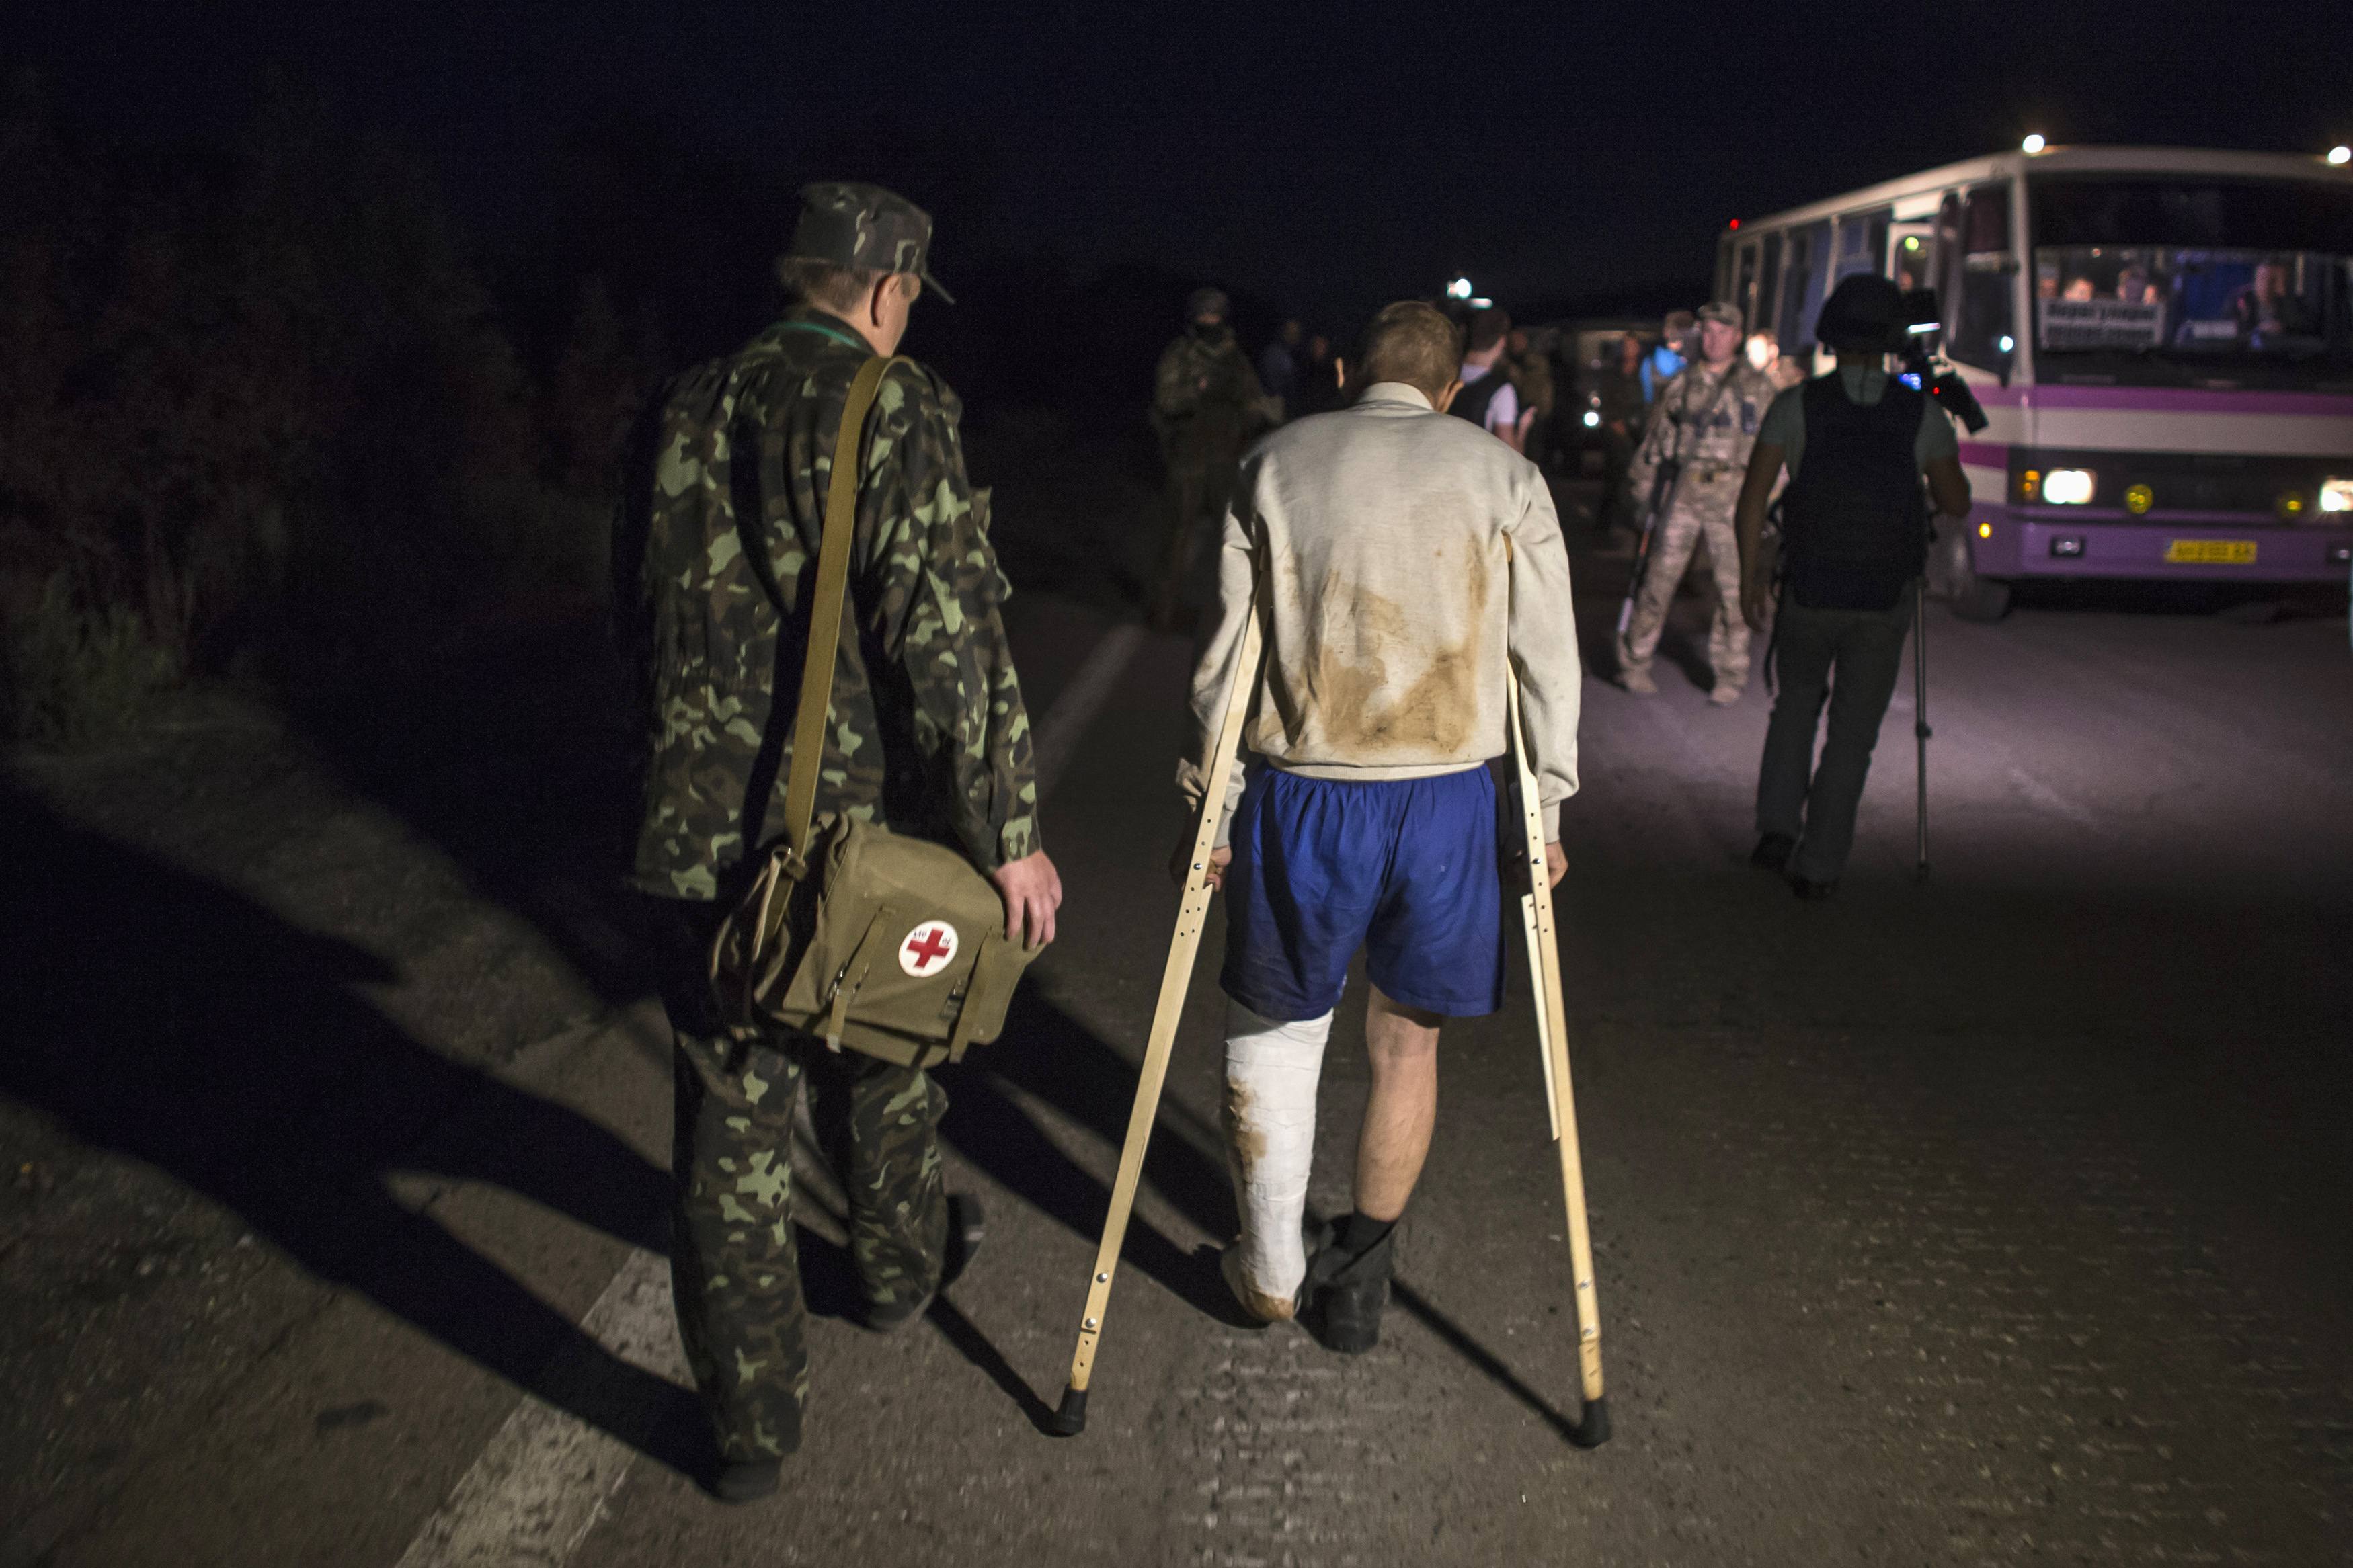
(178, 1022)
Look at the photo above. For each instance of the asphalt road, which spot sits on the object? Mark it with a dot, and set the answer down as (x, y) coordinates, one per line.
(1997, 1218)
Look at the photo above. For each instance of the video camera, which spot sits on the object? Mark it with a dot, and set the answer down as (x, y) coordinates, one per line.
(1922, 321)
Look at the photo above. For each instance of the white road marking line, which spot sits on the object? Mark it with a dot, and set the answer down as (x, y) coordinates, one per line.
(1065, 723)
(540, 1484)
(2042, 795)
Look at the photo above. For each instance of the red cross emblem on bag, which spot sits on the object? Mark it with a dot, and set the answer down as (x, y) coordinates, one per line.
(928, 948)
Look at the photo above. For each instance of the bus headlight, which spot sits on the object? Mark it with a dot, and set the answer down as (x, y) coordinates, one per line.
(2067, 486)
(2336, 496)
(1593, 420)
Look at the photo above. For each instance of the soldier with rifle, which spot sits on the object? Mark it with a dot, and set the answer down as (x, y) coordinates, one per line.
(1693, 451)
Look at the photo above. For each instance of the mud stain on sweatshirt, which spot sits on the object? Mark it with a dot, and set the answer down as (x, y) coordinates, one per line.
(1347, 694)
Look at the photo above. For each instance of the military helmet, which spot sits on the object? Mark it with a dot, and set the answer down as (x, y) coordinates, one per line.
(1864, 314)
(852, 225)
(1207, 302)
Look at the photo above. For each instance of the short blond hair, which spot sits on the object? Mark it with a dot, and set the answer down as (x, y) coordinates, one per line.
(1411, 341)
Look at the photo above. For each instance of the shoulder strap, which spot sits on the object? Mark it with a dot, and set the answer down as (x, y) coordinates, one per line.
(824, 607)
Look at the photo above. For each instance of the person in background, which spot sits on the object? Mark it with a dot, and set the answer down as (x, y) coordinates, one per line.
(1319, 377)
(1278, 369)
(1854, 528)
(1487, 398)
(2268, 310)
(1206, 406)
(1703, 424)
(1622, 405)
(1761, 349)
(1531, 374)
(1667, 358)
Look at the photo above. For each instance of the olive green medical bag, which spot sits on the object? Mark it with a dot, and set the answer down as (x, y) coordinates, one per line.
(887, 946)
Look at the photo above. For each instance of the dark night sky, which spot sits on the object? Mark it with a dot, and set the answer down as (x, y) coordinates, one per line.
(1328, 155)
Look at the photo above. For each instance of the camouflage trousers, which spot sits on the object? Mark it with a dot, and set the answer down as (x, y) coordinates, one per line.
(1679, 534)
(735, 1266)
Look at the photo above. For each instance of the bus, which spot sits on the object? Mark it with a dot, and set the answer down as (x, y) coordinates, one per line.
(2162, 338)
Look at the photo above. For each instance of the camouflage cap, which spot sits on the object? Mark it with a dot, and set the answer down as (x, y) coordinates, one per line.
(851, 224)
(1729, 315)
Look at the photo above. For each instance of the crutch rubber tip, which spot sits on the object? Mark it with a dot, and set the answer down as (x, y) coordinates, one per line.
(1072, 1418)
(1593, 1429)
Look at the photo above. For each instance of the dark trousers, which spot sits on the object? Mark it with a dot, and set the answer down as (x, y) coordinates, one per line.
(1852, 657)
(734, 1264)
(1618, 507)
(1199, 490)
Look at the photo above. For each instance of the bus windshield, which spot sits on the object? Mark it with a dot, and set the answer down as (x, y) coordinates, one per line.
(2180, 280)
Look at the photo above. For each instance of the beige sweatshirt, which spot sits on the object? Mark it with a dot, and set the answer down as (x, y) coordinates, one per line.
(1401, 552)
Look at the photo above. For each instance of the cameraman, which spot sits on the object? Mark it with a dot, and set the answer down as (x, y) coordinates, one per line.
(1854, 535)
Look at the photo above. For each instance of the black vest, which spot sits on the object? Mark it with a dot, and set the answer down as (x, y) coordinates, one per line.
(1472, 402)
(1854, 522)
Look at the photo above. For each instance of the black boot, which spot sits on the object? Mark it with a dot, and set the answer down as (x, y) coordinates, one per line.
(747, 1482)
(1347, 1290)
(1772, 852)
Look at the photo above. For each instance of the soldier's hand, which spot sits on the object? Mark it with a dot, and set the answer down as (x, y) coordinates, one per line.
(1757, 603)
(1181, 863)
(1556, 864)
(1032, 891)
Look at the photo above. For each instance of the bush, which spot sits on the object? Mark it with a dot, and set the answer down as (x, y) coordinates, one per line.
(72, 674)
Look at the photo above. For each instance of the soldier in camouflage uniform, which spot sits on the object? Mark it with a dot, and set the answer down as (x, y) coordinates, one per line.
(1706, 424)
(1206, 405)
(717, 545)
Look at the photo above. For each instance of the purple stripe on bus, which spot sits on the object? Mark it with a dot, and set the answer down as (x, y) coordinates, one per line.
(1985, 454)
(2168, 400)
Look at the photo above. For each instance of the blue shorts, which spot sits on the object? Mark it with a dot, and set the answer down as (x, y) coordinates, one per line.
(1403, 868)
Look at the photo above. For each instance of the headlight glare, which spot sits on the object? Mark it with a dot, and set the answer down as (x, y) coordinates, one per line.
(2067, 486)
(2336, 496)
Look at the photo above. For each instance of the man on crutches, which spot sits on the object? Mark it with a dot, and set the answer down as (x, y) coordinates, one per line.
(1392, 561)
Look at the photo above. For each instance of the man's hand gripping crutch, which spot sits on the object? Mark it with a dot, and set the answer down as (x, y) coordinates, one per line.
(1592, 1429)
(1175, 980)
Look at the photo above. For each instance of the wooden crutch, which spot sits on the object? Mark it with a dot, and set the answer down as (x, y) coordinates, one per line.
(1071, 1419)
(1592, 1428)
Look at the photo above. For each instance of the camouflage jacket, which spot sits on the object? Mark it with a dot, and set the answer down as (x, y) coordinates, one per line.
(721, 516)
(1204, 397)
(1707, 434)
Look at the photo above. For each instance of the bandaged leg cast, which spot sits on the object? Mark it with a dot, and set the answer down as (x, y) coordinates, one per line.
(1271, 1071)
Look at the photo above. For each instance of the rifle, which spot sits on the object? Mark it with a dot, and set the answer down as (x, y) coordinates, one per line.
(1664, 480)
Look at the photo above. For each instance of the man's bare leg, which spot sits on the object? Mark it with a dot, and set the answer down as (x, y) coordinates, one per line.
(1403, 1045)
(1348, 1278)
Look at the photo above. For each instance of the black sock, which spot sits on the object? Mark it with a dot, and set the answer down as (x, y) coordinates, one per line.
(1360, 1233)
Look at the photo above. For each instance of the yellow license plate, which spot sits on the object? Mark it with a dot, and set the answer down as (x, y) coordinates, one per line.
(2211, 552)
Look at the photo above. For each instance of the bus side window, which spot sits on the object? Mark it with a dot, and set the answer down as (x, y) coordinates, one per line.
(1976, 263)
(1744, 286)
(1805, 269)
(1768, 289)
(1862, 242)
